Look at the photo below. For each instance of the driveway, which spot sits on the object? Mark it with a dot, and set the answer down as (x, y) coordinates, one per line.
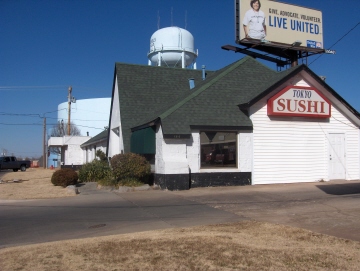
(332, 208)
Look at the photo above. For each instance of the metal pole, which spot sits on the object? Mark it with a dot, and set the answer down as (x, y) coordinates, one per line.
(44, 144)
(69, 109)
(294, 59)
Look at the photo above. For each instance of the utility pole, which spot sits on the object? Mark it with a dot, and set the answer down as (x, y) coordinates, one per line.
(69, 110)
(44, 144)
(71, 99)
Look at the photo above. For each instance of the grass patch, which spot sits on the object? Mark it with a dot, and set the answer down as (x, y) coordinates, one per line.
(132, 182)
(110, 182)
(239, 246)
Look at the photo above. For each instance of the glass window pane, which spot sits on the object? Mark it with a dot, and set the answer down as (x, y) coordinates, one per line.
(218, 149)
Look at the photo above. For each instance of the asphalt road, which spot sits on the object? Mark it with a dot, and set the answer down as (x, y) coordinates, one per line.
(97, 212)
(332, 208)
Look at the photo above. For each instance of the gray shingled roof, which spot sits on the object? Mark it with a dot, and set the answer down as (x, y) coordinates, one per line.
(145, 89)
(98, 138)
(215, 102)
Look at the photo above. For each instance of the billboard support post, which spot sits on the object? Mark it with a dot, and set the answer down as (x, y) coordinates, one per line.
(294, 58)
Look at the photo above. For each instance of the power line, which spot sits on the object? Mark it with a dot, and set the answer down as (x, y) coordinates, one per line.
(40, 88)
(336, 42)
(31, 88)
(39, 115)
(20, 124)
(49, 124)
(19, 115)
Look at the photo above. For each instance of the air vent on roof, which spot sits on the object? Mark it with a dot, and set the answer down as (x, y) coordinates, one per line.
(192, 83)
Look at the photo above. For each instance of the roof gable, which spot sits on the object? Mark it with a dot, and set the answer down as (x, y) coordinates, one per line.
(215, 102)
(145, 89)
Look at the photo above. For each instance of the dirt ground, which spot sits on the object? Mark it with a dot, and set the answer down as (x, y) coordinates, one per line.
(34, 183)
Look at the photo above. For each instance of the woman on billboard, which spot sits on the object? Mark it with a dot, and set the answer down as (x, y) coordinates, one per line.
(254, 21)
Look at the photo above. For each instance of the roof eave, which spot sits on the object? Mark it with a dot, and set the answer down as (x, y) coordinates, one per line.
(94, 142)
(146, 125)
(246, 106)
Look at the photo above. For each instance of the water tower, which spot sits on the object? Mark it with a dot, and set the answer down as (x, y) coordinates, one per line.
(172, 47)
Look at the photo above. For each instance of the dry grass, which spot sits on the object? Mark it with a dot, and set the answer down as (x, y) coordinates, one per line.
(240, 246)
(35, 184)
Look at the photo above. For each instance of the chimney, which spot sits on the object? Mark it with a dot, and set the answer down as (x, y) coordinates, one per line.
(87, 133)
(203, 72)
(192, 83)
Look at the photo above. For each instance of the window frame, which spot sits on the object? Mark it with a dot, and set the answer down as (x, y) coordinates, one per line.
(204, 158)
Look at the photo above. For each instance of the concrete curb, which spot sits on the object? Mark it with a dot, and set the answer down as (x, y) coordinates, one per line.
(72, 189)
(125, 189)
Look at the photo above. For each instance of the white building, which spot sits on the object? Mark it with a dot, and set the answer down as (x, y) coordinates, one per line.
(91, 116)
(71, 153)
(90, 147)
(244, 124)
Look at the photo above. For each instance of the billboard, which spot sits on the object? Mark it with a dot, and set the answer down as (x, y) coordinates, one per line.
(279, 22)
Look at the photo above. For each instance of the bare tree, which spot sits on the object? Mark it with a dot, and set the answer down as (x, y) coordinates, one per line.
(60, 130)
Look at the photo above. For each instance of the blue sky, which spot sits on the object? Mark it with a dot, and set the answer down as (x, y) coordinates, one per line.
(46, 46)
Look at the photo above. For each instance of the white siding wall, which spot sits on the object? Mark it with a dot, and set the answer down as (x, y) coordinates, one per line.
(116, 142)
(73, 155)
(193, 152)
(90, 151)
(288, 150)
(170, 155)
(245, 151)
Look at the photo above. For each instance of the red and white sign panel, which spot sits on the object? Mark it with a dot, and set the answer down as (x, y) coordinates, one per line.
(294, 101)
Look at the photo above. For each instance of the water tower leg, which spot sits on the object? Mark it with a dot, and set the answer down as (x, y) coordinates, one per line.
(183, 59)
(159, 58)
(149, 62)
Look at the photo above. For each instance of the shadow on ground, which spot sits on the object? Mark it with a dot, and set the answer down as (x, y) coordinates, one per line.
(340, 189)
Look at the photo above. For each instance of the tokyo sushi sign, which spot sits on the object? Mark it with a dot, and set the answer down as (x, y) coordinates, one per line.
(295, 101)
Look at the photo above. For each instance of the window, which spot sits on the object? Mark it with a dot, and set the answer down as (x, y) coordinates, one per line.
(218, 149)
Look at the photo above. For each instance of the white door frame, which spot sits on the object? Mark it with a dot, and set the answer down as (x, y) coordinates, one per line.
(336, 156)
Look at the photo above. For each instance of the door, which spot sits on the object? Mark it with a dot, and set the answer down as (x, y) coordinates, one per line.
(337, 168)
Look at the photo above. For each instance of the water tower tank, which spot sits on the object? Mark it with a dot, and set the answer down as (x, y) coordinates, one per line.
(172, 47)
